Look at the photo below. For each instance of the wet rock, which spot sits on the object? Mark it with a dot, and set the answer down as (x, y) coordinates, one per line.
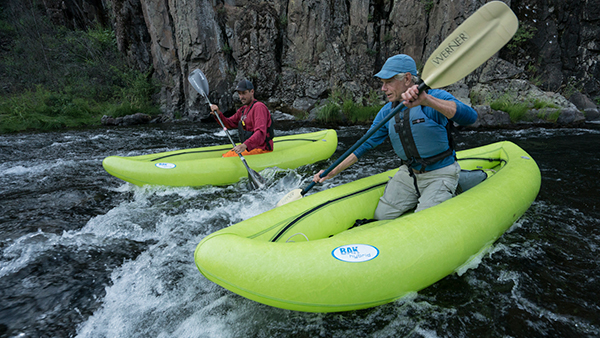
(128, 120)
(135, 119)
(592, 114)
(570, 116)
(582, 101)
(110, 121)
(489, 118)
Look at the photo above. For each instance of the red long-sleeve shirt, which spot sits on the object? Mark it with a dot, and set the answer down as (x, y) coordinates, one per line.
(258, 119)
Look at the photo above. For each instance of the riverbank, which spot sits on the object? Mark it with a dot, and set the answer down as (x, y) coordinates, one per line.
(488, 118)
(516, 104)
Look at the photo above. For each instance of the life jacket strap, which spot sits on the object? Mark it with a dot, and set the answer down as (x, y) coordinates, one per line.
(404, 131)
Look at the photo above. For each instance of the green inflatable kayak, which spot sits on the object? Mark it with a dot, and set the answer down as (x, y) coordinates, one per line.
(203, 166)
(303, 256)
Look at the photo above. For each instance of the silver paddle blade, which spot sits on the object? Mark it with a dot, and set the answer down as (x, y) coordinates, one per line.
(255, 180)
(198, 81)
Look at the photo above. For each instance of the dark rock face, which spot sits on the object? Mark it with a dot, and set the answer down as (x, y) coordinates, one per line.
(77, 13)
(565, 47)
(297, 52)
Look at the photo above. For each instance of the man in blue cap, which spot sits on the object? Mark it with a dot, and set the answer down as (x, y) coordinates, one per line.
(253, 121)
(420, 137)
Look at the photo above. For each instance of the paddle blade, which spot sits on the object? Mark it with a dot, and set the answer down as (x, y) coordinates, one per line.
(199, 82)
(470, 44)
(256, 181)
(291, 196)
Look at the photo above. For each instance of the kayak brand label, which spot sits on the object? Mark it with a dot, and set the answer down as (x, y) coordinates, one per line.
(355, 253)
(164, 165)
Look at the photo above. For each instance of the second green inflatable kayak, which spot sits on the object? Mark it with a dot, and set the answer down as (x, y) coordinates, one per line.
(205, 166)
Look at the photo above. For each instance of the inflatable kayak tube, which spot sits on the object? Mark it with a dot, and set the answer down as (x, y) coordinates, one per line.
(302, 256)
(206, 166)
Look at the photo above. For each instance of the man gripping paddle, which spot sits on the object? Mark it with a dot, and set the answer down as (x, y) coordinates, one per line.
(419, 135)
(253, 121)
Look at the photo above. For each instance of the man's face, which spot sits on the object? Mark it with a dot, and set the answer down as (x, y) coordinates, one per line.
(393, 88)
(247, 96)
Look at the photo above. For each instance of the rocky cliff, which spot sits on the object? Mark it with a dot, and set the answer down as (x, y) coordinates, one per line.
(296, 52)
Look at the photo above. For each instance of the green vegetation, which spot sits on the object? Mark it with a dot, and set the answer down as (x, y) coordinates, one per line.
(226, 49)
(552, 117)
(428, 5)
(54, 77)
(283, 20)
(518, 110)
(340, 106)
(524, 33)
(387, 38)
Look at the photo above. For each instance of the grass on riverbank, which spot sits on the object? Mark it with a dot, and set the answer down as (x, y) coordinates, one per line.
(340, 106)
(44, 109)
(518, 110)
(54, 77)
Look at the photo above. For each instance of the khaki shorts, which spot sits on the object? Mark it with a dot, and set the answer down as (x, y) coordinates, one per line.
(400, 194)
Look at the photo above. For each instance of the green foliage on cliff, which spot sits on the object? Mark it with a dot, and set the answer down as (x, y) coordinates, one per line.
(54, 77)
(524, 33)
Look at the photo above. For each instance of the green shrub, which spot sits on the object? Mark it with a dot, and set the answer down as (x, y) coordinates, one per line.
(554, 116)
(516, 111)
(340, 106)
(524, 33)
(539, 104)
(329, 112)
(356, 112)
(54, 77)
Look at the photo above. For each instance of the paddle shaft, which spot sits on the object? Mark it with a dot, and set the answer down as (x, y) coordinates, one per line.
(228, 135)
(362, 140)
(198, 81)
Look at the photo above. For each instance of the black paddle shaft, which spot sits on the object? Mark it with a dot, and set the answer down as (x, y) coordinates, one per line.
(422, 87)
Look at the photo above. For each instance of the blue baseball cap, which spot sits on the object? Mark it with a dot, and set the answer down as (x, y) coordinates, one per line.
(397, 64)
(244, 85)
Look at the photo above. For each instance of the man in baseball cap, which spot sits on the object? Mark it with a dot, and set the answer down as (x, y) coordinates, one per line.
(420, 138)
(253, 121)
(400, 63)
(244, 85)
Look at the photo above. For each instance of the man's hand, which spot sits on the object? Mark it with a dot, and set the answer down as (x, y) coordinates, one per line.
(214, 109)
(412, 98)
(240, 148)
(318, 179)
(348, 161)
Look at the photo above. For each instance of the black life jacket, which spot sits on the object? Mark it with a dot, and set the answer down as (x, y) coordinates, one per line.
(404, 131)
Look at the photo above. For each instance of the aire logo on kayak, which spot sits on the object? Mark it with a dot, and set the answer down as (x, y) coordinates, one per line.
(355, 253)
(164, 165)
